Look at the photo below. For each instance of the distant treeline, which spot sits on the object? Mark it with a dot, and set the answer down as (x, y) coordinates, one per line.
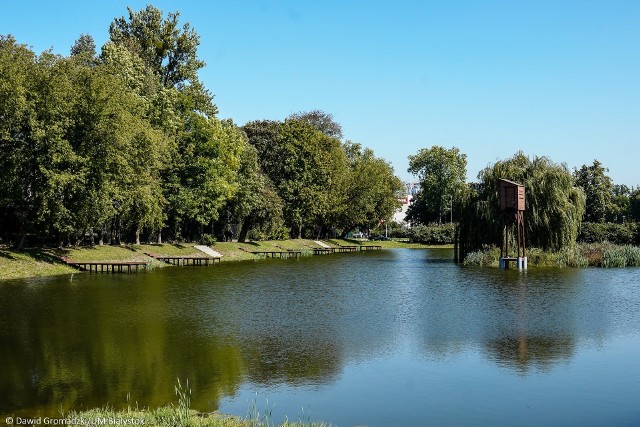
(557, 202)
(125, 145)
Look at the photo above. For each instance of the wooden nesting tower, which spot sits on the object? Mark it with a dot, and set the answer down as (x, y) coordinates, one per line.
(512, 206)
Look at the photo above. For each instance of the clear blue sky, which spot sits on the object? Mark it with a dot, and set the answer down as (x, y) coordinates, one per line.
(555, 78)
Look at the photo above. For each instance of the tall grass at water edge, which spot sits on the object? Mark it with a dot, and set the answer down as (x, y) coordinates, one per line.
(181, 415)
(621, 256)
(603, 254)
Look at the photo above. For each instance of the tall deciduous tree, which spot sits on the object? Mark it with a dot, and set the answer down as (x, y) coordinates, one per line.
(256, 205)
(442, 174)
(202, 177)
(372, 191)
(106, 117)
(320, 120)
(598, 189)
(294, 156)
(170, 50)
(37, 162)
(620, 203)
(634, 204)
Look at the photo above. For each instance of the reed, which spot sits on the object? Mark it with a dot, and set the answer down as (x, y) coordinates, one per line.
(180, 414)
(621, 256)
(603, 254)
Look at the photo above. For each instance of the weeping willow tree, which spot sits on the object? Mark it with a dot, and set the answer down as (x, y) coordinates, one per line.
(554, 205)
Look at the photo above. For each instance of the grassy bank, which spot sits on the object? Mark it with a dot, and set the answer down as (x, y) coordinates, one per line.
(389, 244)
(30, 263)
(180, 414)
(46, 262)
(605, 255)
(176, 416)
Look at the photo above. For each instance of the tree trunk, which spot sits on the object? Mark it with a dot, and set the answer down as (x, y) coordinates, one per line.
(80, 239)
(20, 245)
(112, 232)
(299, 232)
(92, 241)
(160, 236)
(102, 231)
(244, 230)
(118, 241)
(137, 235)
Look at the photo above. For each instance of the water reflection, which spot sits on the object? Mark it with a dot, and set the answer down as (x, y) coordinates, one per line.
(297, 323)
(525, 352)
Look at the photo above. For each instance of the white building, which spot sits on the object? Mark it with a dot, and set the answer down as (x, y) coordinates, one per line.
(412, 189)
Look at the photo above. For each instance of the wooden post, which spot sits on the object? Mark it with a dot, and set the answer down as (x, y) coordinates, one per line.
(506, 246)
(524, 245)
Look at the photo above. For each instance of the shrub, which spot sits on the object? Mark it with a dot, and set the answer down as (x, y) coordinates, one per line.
(208, 239)
(432, 234)
(621, 234)
(483, 258)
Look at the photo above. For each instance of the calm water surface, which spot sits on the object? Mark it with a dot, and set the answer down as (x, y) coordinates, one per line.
(387, 338)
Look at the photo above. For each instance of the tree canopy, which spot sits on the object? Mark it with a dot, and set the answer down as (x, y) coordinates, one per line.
(170, 50)
(599, 191)
(125, 145)
(554, 206)
(321, 121)
(323, 184)
(442, 175)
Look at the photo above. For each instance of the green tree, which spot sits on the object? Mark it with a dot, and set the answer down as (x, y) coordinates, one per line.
(442, 174)
(256, 205)
(634, 204)
(169, 50)
(598, 189)
(202, 178)
(102, 116)
(84, 49)
(554, 206)
(372, 190)
(37, 162)
(620, 203)
(294, 155)
(320, 120)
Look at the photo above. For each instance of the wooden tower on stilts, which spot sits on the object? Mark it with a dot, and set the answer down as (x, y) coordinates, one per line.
(512, 206)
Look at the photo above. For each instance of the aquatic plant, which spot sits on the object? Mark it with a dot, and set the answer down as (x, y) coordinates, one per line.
(483, 258)
(621, 256)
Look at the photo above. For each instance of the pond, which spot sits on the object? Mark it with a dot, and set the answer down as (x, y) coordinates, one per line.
(384, 338)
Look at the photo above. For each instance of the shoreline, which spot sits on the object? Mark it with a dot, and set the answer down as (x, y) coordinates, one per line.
(45, 262)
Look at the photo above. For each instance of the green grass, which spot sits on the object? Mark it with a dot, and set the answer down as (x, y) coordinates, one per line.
(388, 244)
(46, 262)
(231, 250)
(180, 414)
(30, 263)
